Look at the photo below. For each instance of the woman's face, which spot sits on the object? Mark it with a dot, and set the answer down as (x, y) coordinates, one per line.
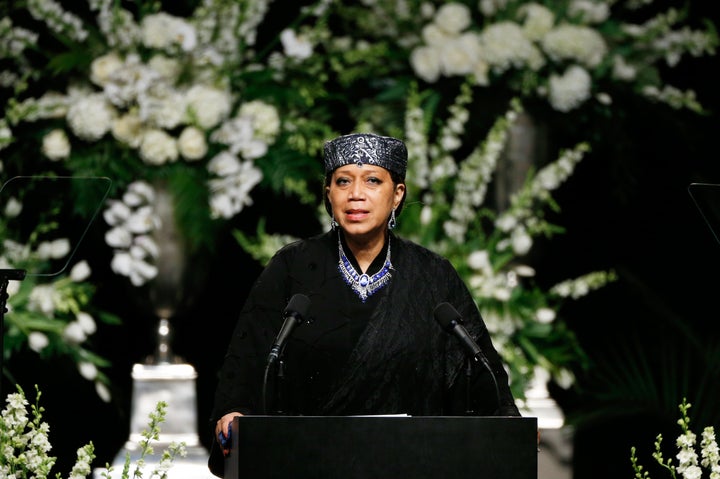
(362, 199)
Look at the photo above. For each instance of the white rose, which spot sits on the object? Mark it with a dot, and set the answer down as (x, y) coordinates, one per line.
(192, 144)
(168, 68)
(459, 55)
(55, 145)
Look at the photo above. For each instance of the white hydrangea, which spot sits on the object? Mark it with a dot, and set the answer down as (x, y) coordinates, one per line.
(538, 20)
(570, 90)
(577, 43)
(167, 32)
(506, 46)
(90, 117)
(265, 118)
(453, 17)
(207, 106)
(161, 106)
(459, 55)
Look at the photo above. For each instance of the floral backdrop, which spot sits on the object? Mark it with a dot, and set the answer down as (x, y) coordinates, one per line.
(221, 104)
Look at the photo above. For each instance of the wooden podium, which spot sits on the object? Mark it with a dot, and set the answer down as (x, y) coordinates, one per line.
(379, 447)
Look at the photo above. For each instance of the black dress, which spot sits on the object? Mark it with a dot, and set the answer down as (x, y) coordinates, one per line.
(384, 355)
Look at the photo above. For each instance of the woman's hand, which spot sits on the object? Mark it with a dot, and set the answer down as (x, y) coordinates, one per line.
(222, 431)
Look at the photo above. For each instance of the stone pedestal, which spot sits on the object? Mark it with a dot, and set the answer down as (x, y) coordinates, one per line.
(555, 448)
(175, 385)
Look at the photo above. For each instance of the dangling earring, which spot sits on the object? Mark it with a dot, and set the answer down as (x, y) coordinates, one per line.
(392, 223)
(333, 224)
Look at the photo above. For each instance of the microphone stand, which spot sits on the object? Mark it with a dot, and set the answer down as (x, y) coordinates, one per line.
(469, 411)
(5, 276)
(275, 386)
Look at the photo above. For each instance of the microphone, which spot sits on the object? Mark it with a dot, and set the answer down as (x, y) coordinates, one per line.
(451, 321)
(294, 313)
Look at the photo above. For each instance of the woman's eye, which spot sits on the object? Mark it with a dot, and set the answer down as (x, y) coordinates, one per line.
(341, 181)
(374, 180)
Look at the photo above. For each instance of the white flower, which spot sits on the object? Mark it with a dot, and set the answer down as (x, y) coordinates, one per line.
(569, 91)
(458, 56)
(87, 370)
(506, 46)
(90, 117)
(168, 68)
(521, 241)
(158, 148)
(102, 391)
(294, 46)
(103, 67)
(80, 271)
(13, 207)
(54, 249)
(264, 118)
(128, 129)
(73, 333)
(425, 61)
(118, 237)
(576, 43)
(37, 341)
(86, 322)
(545, 315)
(166, 32)
(479, 260)
(538, 20)
(55, 145)
(192, 144)
(453, 17)
(224, 164)
(207, 106)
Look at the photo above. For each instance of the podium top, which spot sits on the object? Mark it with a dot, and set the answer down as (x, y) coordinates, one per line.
(364, 447)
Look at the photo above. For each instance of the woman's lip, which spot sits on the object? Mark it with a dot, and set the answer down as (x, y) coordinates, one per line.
(356, 214)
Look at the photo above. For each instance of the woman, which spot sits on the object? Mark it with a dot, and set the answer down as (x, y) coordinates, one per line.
(369, 343)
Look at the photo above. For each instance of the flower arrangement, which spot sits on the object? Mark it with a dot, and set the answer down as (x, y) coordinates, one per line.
(24, 440)
(566, 53)
(689, 465)
(214, 100)
(50, 309)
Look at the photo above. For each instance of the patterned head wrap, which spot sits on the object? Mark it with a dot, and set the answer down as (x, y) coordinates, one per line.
(366, 149)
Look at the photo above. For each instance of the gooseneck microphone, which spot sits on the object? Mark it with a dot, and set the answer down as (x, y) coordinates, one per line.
(451, 321)
(294, 313)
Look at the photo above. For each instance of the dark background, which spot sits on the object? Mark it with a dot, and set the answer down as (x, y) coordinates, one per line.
(627, 207)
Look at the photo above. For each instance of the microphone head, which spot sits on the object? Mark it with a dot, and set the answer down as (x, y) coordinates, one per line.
(447, 316)
(298, 305)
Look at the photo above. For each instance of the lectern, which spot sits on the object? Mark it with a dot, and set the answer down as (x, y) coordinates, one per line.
(379, 447)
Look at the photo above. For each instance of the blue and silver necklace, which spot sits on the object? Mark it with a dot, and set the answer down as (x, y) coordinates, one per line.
(363, 284)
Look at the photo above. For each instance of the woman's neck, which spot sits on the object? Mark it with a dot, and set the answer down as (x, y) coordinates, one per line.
(365, 250)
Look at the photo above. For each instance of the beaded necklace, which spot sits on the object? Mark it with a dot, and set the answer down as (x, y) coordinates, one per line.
(363, 284)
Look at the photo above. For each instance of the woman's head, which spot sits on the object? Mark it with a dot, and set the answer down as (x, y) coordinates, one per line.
(366, 153)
